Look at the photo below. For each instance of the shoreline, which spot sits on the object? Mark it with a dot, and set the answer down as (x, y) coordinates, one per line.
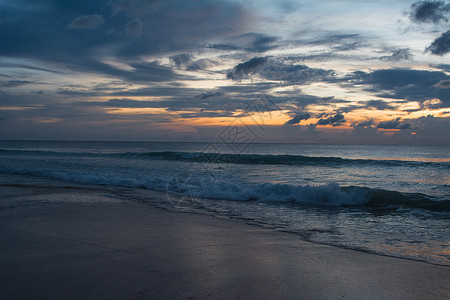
(90, 244)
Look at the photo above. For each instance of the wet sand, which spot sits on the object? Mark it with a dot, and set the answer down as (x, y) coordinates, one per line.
(68, 243)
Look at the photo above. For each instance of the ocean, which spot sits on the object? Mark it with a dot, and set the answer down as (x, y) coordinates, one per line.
(388, 200)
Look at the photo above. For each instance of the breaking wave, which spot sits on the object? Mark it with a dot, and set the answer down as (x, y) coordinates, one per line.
(205, 187)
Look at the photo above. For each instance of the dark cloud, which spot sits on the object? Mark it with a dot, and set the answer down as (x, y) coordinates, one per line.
(367, 123)
(129, 103)
(181, 59)
(78, 93)
(142, 72)
(298, 118)
(335, 120)
(87, 22)
(429, 11)
(251, 42)
(397, 78)
(200, 64)
(245, 69)
(247, 99)
(413, 85)
(441, 45)
(210, 94)
(207, 114)
(135, 29)
(394, 124)
(431, 104)
(442, 67)
(348, 46)
(262, 42)
(223, 47)
(158, 92)
(254, 42)
(335, 41)
(443, 84)
(398, 55)
(378, 104)
(294, 73)
(277, 70)
(404, 126)
(14, 83)
(27, 67)
(183, 25)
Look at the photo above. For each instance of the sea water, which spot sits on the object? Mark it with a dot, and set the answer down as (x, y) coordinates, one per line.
(390, 200)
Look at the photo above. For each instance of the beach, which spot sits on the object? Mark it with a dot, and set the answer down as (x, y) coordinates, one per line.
(84, 243)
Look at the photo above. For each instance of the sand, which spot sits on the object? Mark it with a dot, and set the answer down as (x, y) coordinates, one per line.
(74, 243)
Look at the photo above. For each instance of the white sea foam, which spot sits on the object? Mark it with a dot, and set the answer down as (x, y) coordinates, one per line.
(206, 187)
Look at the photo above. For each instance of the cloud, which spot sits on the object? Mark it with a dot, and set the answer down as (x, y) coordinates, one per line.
(129, 103)
(207, 114)
(200, 64)
(275, 69)
(442, 67)
(413, 85)
(209, 95)
(429, 11)
(394, 124)
(294, 74)
(186, 60)
(87, 22)
(14, 83)
(245, 69)
(398, 55)
(158, 92)
(142, 72)
(298, 118)
(169, 27)
(251, 42)
(134, 28)
(181, 59)
(335, 120)
(378, 104)
(441, 45)
(431, 104)
(367, 123)
(334, 39)
(443, 84)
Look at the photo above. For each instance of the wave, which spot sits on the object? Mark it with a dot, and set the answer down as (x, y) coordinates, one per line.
(230, 158)
(198, 187)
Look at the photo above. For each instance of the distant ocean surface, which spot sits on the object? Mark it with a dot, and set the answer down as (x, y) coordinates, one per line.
(390, 200)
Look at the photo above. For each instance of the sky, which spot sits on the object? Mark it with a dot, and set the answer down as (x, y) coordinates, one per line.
(338, 71)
